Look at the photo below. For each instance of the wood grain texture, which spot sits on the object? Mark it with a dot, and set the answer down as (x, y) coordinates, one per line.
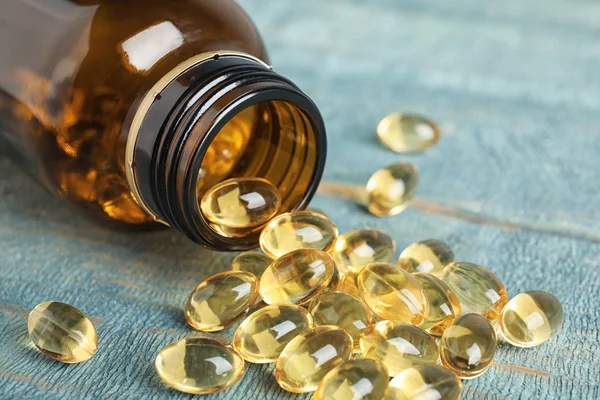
(515, 86)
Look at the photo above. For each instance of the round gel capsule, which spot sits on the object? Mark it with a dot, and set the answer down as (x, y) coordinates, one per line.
(478, 290)
(430, 256)
(406, 133)
(425, 382)
(348, 284)
(392, 293)
(359, 247)
(297, 277)
(390, 189)
(398, 345)
(297, 230)
(356, 379)
(443, 304)
(199, 365)
(221, 300)
(531, 318)
(306, 360)
(468, 346)
(250, 261)
(264, 334)
(62, 332)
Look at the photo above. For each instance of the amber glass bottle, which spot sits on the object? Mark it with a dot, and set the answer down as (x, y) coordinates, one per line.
(132, 109)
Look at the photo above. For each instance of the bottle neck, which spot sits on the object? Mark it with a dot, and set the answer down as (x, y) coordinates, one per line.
(218, 116)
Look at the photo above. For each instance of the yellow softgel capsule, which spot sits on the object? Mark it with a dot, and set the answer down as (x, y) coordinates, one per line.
(264, 334)
(343, 310)
(306, 360)
(468, 346)
(348, 284)
(406, 133)
(398, 345)
(430, 256)
(62, 332)
(478, 290)
(297, 230)
(425, 382)
(250, 261)
(356, 379)
(443, 303)
(531, 318)
(392, 293)
(297, 277)
(221, 300)
(199, 365)
(359, 247)
(390, 188)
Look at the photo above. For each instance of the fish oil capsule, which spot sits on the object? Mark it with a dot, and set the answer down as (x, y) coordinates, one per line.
(357, 248)
(531, 318)
(241, 203)
(356, 379)
(398, 345)
(430, 256)
(250, 261)
(62, 332)
(221, 300)
(264, 334)
(468, 346)
(348, 284)
(297, 277)
(306, 360)
(478, 290)
(390, 189)
(297, 230)
(443, 303)
(406, 133)
(392, 293)
(199, 365)
(425, 382)
(343, 310)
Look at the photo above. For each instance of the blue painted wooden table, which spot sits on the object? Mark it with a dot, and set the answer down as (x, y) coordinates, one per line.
(514, 185)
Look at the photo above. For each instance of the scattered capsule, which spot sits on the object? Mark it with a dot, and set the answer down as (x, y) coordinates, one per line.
(390, 189)
(62, 332)
(430, 256)
(357, 248)
(468, 346)
(425, 382)
(250, 261)
(398, 345)
(478, 290)
(531, 318)
(199, 365)
(306, 360)
(297, 230)
(406, 133)
(297, 277)
(356, 379)
(264, 334)
(348, 284)
(392, 293)
(343, 310)
(221, 300)
(443, 304)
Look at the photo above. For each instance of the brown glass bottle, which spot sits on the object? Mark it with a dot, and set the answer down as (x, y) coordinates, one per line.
(132, 109)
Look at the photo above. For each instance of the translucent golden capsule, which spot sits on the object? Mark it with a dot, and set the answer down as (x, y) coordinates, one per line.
(250, 261)
(425, 382)
(116, 200)
(406, 133)
(199, 365)
(443, 304)
(478, 290)
(221, 300)
(468, 346)
(399, 346)
(357, 248)
(430, 256)
(297, 277)
(297, 230)
(356, 379)
(62, 332)
(392, 293)
(306, 360)
(264, 334)
(390, 188)
(531, 318)
(348, 284)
